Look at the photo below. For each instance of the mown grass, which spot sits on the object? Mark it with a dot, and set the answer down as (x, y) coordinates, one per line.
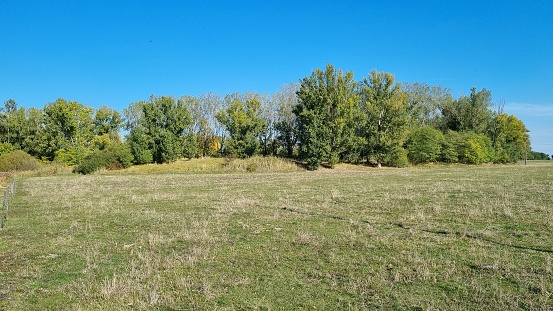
(421, 238)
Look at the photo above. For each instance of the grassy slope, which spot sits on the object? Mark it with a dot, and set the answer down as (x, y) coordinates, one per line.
(418, 238)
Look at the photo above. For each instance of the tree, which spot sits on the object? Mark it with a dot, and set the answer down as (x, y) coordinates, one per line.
(328, 115)
(141, 146)
(468, 113)
(107, 121)
(211, 133)
(286, 123)
(6, 119)
(424, 102)
(385, 107)
(242, 120)
(267, 135)
(68, 125)
(165, 120)
(509, 137)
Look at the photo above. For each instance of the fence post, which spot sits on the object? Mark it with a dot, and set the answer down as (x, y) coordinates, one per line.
(13, 189)
(7, 201)
(2, 216)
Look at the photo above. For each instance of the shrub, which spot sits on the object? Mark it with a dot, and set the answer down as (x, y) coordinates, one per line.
(475, 149)
(425, 145)
(71, 155)
(115, 156)
(18, 161)
(450, 146)
(398, 158)
(6, 148)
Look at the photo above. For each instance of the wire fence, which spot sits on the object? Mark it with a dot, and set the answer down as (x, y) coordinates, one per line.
(8, 194)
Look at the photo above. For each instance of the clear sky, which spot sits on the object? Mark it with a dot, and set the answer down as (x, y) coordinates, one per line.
(117, 52)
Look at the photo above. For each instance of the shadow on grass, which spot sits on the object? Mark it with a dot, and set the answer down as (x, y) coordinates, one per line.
(442, 232)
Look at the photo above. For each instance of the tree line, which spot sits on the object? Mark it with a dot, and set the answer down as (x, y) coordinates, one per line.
(326, 118)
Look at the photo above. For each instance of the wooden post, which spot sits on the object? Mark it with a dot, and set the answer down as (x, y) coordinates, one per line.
(2, 216)
(7, 202)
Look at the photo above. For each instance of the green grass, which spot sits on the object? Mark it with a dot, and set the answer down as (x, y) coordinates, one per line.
(421, 238)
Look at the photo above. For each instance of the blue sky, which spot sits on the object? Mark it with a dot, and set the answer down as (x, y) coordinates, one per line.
(117, 52)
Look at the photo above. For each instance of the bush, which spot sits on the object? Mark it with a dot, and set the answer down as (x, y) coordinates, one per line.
(6, 148)
(398, 158)
(475, 149)
(450, 146)
(425, 145)
(18, 161)
(115, 156)
(71, 155)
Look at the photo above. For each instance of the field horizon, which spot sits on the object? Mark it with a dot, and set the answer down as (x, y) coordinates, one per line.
(417, 238)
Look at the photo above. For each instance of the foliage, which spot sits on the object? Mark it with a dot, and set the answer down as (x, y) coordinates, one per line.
(509, 137)
(165, 120)
(385, 108)
(534, 155)
(140, 144)
(424, 102)
(286, 124)
(107, 121)
(6, 148)
(114, 156)
(468, 113)
(242, 120)
(190, 146)
(475, 149)
(328, 116)
(18, 161)
(450, 146)
(326, 119)
(71, 155)
(425, 144)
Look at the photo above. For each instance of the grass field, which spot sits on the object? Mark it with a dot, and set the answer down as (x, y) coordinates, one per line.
(421, 238)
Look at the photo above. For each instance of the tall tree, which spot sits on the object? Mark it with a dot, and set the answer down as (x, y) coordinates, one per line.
(327, 112)
(107, 121)
(385, 107)
(212, 133)
(424, 102)
(165, 121)
(6, 119)
(286, 123)
(244, 124)
(68, 125)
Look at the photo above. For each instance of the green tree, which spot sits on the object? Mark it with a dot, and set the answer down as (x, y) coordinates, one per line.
(244, 124)
(6, 120)
(165, 120)
(107, 121)
(328, 115)
(68, 125)
(468, 113)
(141, 146)
(385, 107)
(33, 133)
(510, 136)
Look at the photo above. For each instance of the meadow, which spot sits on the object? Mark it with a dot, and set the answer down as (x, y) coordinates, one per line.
(420, 238)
